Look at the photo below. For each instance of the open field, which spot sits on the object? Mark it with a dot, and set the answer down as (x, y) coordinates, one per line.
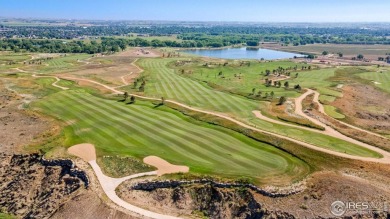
(140, 130)
(369, 51)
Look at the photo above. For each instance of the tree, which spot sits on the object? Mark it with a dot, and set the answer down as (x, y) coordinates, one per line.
(296, 75)
(325, 53)
(252, 43)
(266, 95)
(310, 56)
(253, 91)
(132, 99)
(340, 55)
(286, 85)
(360, 56)
(135, 84)
(272, 94)
(282, 99)
(125, 95)
(298, 87)
(259, 93)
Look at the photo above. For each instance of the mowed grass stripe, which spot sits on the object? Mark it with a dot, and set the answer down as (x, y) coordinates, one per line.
(204, 137)
(246, 106)
(207, 95)
(136, 126)
(84, 117)
(270, 161)
(145, 122)
(224, 103)
(212, 152)
(175, 85)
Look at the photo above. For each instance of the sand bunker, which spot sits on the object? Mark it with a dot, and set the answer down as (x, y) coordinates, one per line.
(84, 151)
(164, 167)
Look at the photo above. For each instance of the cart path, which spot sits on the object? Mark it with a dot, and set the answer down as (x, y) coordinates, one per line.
(87, 152)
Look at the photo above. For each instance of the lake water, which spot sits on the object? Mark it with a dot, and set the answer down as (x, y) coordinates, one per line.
(243, 53)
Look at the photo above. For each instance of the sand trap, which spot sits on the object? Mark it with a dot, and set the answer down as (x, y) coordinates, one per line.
(164, 167)
(375, 82)
(84, 151)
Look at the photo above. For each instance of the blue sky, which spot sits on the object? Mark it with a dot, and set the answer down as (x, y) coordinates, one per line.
(203, 10)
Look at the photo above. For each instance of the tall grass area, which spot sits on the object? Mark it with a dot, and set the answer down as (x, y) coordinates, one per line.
(164, 82)
(141, 129)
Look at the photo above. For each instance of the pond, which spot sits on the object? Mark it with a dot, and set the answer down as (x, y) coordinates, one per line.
(243, 53)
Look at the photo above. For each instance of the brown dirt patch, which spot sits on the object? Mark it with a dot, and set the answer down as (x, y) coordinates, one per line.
(84, 151)
(19, 127)
(366, 107)
(164, 167)
(323, 189)
(140, 52)
(88, 205)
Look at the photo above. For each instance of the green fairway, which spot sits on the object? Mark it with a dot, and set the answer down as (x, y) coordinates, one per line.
(140, 130)
(164, 82)
(64, 63)
(382, 79)
(331, 111)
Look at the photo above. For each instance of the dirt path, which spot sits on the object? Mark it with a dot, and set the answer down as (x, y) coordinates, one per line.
(109, 184)
(34, 74)
(281, 79)
(54, 83)
(328, 130)
(386, 155)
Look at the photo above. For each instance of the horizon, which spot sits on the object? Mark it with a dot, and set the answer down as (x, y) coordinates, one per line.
(287, 11)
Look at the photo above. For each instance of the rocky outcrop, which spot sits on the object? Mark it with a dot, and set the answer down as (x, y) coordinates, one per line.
(33, 187)
(269, 191)
(68, 167)
(207, 201)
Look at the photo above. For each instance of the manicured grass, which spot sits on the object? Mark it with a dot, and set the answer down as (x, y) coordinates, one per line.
(15, 57)
(65, 63)
(383, 78)
(164, 82)
(332, 111)
(141, 130)
(317, 79)
(251, 76)
(326, 98)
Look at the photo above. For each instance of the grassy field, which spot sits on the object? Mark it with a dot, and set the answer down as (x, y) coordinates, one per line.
(247, 77)
(61, 64)
(163, 81)
(347, 50)
(382, 78)
(141, 129)
(331, 111)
